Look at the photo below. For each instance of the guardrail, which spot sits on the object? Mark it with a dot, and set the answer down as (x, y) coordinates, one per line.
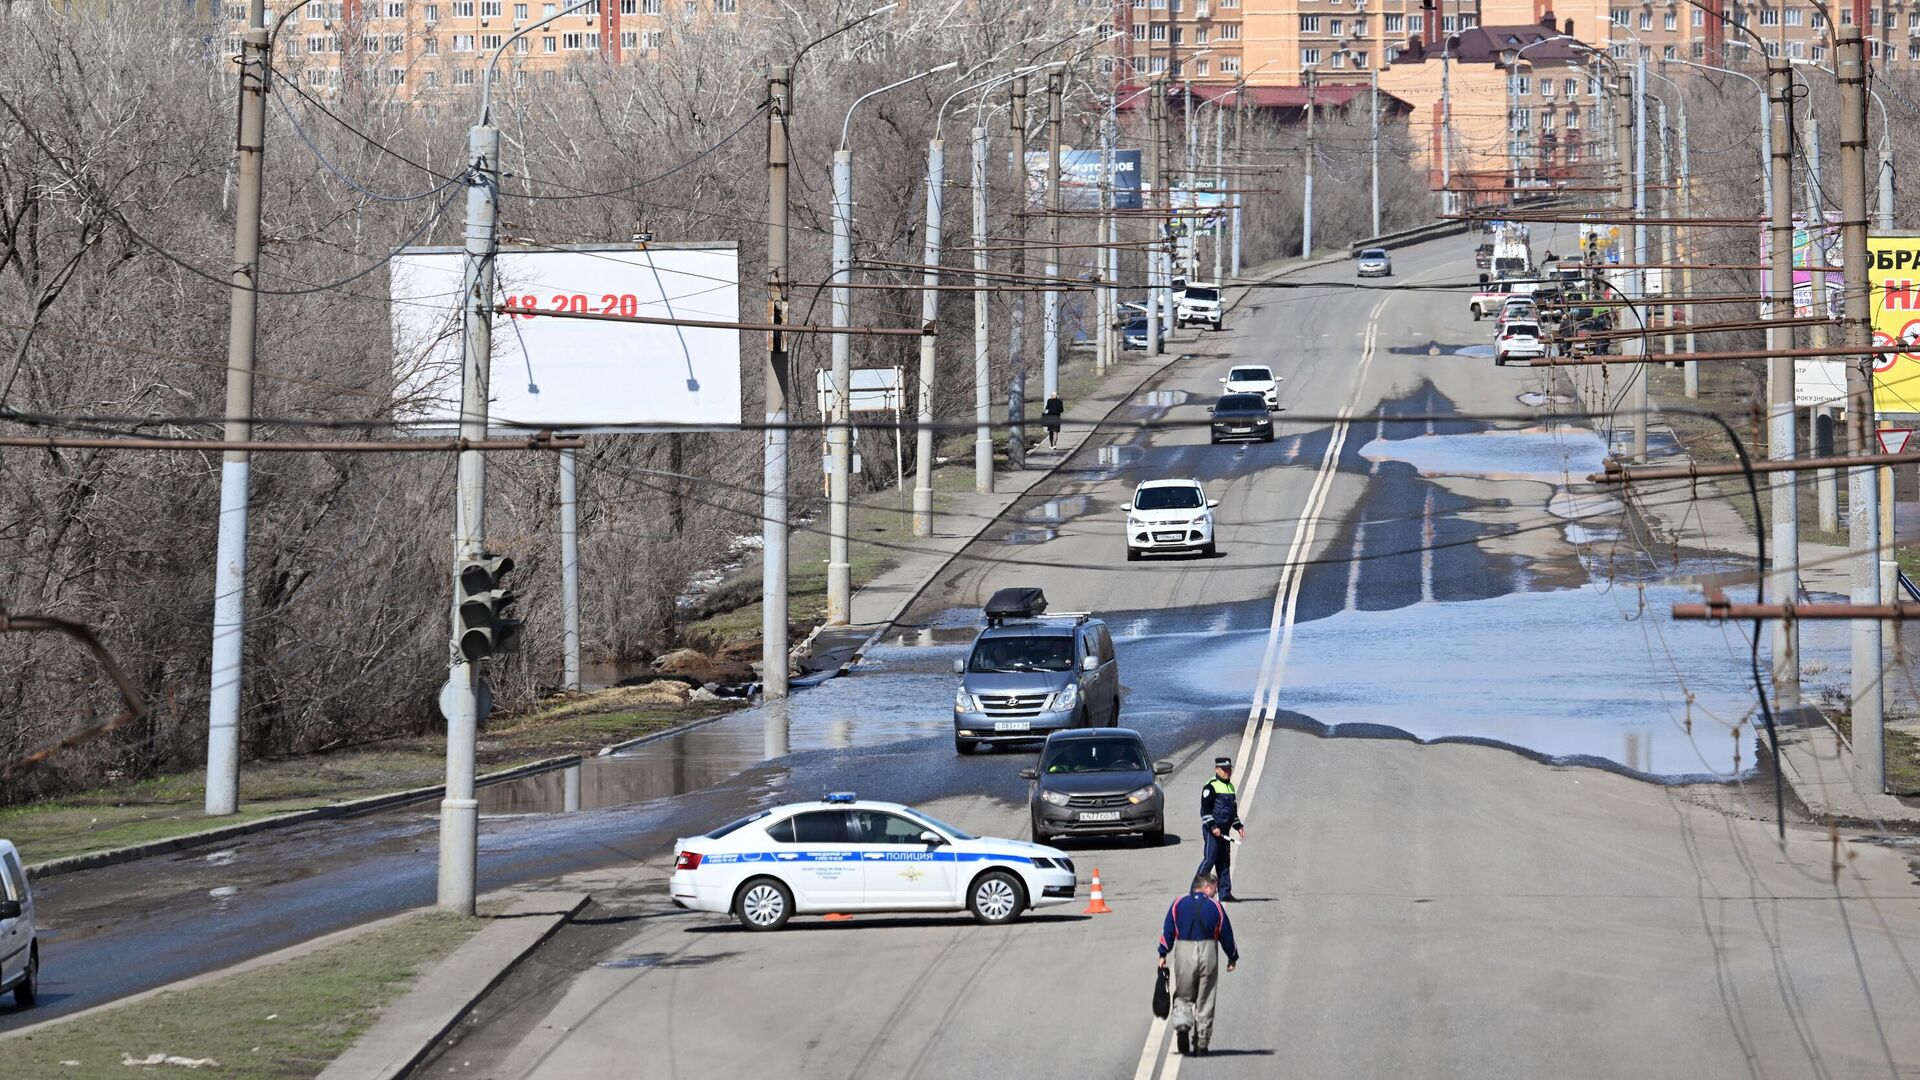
(1405, 237)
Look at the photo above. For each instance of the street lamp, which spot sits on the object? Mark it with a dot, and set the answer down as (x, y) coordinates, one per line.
(839, 435)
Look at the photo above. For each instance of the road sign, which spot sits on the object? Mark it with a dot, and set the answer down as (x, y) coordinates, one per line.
(868, 390)
(1894, 440)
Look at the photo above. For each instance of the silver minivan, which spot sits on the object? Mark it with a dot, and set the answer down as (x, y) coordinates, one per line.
(1030, 673)
(19, 949)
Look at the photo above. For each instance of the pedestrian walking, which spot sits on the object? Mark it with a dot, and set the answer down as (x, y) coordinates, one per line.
(1050, 418)
(1195, 933)
(1219, 813)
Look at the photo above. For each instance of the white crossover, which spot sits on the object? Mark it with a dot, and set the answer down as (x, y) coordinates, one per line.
(844, 854)
(1252, 379)
(1169, 515)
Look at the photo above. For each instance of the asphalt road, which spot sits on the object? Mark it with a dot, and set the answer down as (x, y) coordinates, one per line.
(1502, 864)
(1482, 877)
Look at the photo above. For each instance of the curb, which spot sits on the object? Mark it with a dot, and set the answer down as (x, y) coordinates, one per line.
(352, 808)
(901, 608)
(449, 991)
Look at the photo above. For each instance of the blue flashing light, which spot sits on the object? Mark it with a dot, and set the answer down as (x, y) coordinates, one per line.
(838, 797)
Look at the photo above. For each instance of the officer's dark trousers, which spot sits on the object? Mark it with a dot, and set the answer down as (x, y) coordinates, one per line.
(1218, 857)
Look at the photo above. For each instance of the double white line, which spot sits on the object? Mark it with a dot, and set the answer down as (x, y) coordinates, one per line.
(1254, 741)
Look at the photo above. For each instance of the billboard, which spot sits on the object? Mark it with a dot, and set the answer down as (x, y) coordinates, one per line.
(574, 374)
(1818, 245)
(1080, 179)
(1893, 290)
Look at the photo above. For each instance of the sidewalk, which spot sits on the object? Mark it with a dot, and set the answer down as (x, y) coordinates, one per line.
(1817, 763)
(960, 518)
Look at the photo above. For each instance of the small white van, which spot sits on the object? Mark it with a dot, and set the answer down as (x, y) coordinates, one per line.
(19, 949)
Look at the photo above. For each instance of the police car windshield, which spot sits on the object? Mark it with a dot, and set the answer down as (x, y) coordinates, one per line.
(1094, 756)
(944, 827)
(1178, 497)
(1001, 654)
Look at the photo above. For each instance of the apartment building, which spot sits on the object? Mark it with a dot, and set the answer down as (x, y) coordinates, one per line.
(412, 49)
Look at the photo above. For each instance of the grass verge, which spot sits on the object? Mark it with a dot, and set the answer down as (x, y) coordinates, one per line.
(287, 1020)
(168, 806)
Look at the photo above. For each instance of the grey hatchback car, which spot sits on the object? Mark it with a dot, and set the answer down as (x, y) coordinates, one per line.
(1097, 783)
(1030, 675)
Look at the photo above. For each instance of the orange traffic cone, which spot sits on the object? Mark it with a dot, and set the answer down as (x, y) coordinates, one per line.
(1098, 906)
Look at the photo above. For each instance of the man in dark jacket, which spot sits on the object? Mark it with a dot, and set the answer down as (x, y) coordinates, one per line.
(1220, 812)
(1196, 931)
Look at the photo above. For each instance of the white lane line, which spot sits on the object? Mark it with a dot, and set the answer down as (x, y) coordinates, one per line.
(1156, 1035)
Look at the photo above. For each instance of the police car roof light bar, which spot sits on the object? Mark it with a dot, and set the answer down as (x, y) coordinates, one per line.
(839, 797)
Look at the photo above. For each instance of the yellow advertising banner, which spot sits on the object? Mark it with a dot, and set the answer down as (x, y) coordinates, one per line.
(1893, 278)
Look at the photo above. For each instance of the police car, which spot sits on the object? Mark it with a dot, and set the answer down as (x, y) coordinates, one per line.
(844, 854)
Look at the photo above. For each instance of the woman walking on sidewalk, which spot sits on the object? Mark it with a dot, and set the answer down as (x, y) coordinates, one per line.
(1051, 419)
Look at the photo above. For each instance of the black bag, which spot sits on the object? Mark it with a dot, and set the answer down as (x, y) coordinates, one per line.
(1162, 997)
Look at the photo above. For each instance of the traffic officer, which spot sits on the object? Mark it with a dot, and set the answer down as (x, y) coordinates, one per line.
(1196, 931)
(1219, 812)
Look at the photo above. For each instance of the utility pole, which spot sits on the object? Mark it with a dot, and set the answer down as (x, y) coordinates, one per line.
(1220, 186)
(929, 314)
(1157, 183)
(1863, 518)
(1373, 86)
(461, 700)
(1105, 314)
(1017, 332)
(1446, 127)
(1686, 246)
(1306, 220)
(840, 434)
(1642, 399)
(1239, 149)
(1783, 577)
(236, 468)
(570, 570)
(777, 378)
(1050, 375)
(1667, 252)
(1169, 242)
(982, 360)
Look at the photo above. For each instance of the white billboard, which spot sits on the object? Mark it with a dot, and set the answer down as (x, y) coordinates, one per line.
(574, 374)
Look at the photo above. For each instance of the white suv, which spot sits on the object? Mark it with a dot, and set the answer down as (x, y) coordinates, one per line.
(1199, 303)
(19, 949)
(1518, 341)
(1254, 380)
(1169, 515)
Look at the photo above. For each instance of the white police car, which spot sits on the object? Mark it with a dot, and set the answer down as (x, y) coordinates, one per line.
(844, 854)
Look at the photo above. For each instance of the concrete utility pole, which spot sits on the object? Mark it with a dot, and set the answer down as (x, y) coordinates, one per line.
(1017, 331)
(982, 360)
(1642, 399)
(1157, 184)
(1446, 127)
(929, 314)
(1373, 86)
(569, 570)
(777, 379)
(1783, 579)
(1306, 220)
(840, 433)
(1050, 376)
(236, 468)
(1667, 252)
(459, 812)
(1863, 495)
(1169, 241)
(1219, 185)
(1816, 219)
(1106, 315)
(1239, 148)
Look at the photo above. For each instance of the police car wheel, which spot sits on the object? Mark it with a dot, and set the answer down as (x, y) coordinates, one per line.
(764, 904)
(996, 898)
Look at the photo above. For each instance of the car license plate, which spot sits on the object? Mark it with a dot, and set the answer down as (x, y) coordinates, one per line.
(1242, 430)
(1099, 815)
(1013, 725)
(1167, 536)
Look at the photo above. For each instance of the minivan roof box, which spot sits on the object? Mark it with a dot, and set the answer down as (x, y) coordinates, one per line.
(1022, 602)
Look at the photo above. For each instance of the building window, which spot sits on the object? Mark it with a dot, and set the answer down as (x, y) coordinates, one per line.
(1396, 24)
(1913, 50)
(432, 80)
(1670, 21)
(549, 44)
(1817, 20)
(463, 43)
(1231, 4)
(430, 47)
(546, 78)
(395, 42)
(1416, 23)
(593, 41)
(317, 43)
(371, 43)
(1338, 60)
(491, 42)
(1796, 17)
(1573, 119)
(650, 39)
(396, 76)
(1139, 31)
(629, 39)
(396, 9)
(1699, 50)
(1338, 29)
(1179, 36)
(1846, 16)
(463, 9)
(519, 13)
(726, 7)
(1523, 85)
(572, 41)
(1309, 24)
(1229, 31)
(1158, 65)
(521, 46)
(629, 7)
(519, 78)
(1158, 32)
(1200, 67)
(1699, 17)
(1621, 16)
(1772, 47)
(489, 9)
(1230, 65)
(1646, 20)
(431, 14)
(1670, 52)
(1913, 20)
(463, 77)
(1797, 49)
(1619, 50)
(1449, 24)
(1200, 35)
(649, 7)
(1309, 58)
(1546, 87)
(1522, 119)
(1769, 16)
(293, 48)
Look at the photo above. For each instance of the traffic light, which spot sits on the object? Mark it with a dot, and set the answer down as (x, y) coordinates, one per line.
(485, 629)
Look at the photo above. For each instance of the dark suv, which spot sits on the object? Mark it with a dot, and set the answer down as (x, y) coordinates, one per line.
(1241, 416)
(1097, 782)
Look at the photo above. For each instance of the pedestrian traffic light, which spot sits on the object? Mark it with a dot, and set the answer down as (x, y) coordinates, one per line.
(485, 629)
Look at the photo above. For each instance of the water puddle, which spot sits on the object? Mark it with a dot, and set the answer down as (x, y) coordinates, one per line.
(1060, 509)
(1536, 400)
(1431, 348)
(1551, 455)
(1029, 535)
(1162, 399)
